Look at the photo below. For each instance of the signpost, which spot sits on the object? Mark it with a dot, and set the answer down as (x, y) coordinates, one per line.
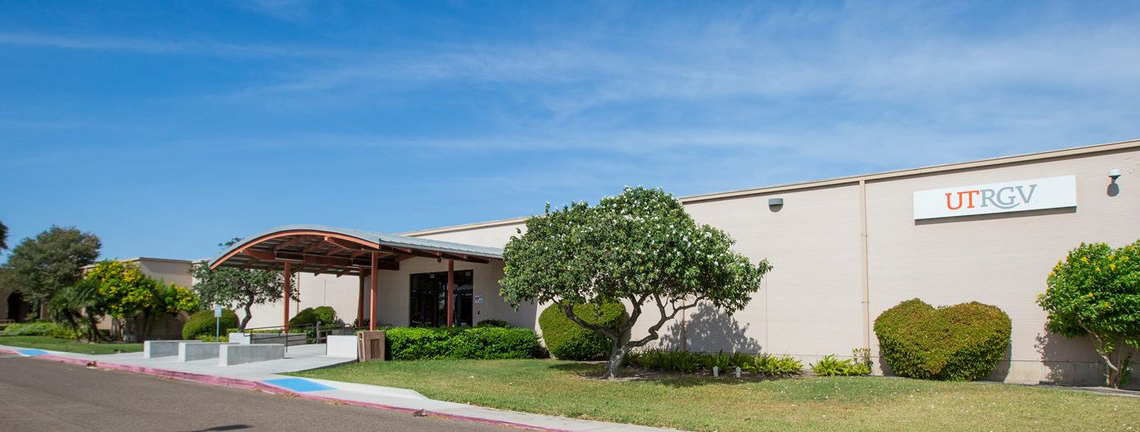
(217, 323)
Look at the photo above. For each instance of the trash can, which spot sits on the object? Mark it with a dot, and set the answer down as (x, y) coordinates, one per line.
(371, 345)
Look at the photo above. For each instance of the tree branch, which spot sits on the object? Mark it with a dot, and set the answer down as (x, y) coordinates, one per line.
(568, 310)
(653, 335)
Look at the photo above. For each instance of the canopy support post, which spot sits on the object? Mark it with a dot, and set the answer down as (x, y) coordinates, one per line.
(375, 281)
(360, 301)
(450, 293)
(288, 295)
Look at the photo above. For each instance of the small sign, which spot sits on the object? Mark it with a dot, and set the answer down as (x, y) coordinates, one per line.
(478, 299)
(217, 311)
(1015, 196)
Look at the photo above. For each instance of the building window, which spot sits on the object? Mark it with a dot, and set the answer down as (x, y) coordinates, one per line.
(428, 300)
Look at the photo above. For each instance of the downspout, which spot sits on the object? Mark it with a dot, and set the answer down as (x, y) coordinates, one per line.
(866, 282)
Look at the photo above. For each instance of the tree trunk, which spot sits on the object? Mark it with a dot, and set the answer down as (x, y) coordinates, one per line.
(617, 353)
(93, 331)
(248, 314)
(145, 332)
(73, 324)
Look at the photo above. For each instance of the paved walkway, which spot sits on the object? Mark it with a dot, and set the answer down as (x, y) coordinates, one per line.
(266, 377)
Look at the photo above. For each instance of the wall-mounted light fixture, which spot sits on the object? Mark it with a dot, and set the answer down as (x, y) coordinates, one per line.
(1113, 186)
(775, 204)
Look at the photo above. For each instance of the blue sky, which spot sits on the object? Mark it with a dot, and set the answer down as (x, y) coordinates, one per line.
(168, 127)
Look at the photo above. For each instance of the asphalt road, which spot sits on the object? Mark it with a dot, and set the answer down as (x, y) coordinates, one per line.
(40, 395)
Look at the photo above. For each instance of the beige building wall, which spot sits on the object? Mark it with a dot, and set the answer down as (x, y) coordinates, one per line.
(814, 245)
(824, 292)
(811, 304)
(1003, 259)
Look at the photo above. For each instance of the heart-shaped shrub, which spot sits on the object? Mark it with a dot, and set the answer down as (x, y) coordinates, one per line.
(962, 342)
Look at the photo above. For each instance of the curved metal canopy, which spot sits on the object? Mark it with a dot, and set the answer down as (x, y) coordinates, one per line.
(321, 249)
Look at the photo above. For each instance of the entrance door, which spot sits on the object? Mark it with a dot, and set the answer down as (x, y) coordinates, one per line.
(18, 309)
(428, 300)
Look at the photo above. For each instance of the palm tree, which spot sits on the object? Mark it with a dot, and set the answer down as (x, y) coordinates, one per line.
(79, 306)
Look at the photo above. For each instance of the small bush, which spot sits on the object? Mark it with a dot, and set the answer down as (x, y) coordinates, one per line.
(567, 340)
(39, 328)
(772, 366)
(962, 342)
(690, 362)
(831, 366)
(211, 338)
(202, 323)
(303, 317)
(420, 343)
(492, 323)
(326, 315)
(726, 361)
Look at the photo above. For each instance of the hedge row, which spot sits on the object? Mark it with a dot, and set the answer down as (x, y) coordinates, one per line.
(688, 362)
(419, 343)
(39, 328)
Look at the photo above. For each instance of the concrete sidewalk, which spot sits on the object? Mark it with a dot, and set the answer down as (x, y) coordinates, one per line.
(266, 377)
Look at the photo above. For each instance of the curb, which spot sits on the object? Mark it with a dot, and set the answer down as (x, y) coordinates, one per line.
(267, 388)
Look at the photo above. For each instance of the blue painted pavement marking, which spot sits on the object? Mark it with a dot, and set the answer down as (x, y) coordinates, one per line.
(32, 352)
(299, 385)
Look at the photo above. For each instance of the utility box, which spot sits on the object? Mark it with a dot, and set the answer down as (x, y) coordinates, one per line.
(371, 345)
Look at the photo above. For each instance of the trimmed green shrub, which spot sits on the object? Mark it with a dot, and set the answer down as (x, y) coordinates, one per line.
(492, 323)
(420, 343)
(202, 323)
(326, 315)
(39, 328)
(963, 342)
(830, 365)
(567, 340)
(303, 317)
(773, 366)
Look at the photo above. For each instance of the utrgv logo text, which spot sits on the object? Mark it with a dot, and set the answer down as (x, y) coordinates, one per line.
(1004, 198)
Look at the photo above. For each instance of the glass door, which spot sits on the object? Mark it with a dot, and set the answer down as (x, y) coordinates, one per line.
(428, 300)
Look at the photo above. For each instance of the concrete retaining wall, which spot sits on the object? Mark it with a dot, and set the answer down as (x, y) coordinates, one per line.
(163, 348)
(198, 351)
(341, 346)
(232, 354)
(240, 338)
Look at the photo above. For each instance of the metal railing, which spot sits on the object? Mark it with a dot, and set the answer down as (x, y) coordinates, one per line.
(298, 335)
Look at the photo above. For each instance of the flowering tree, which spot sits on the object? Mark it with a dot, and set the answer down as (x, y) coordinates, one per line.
(126, 294)
(1095, 292)
(641, 248)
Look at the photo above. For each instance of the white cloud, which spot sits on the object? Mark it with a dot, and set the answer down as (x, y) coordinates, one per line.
(161, 47)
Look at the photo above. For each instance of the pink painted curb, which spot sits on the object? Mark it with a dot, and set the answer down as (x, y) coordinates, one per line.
(266, 388)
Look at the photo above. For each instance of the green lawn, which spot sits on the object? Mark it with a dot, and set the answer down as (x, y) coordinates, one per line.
(703, 403)
(55, 344)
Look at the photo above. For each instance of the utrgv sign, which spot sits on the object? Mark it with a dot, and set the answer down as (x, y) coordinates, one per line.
(1024, 195)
